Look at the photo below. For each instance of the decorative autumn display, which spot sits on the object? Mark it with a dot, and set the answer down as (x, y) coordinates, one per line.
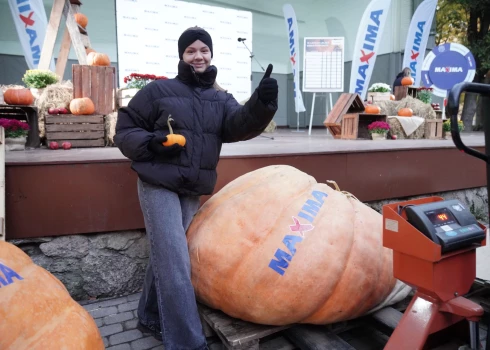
(14, 128)
(82, 106)
(372, 109)
(39, 78)
(98, 59)
(173, 138)
(407, 81)
(37, 311)
(379, 127)
(275, 247)
(138, 81)
(424, 94)
(20, 97)
(405, 112)
(81, 19)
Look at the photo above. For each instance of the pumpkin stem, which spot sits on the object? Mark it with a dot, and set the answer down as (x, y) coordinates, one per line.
(168, 123)
(337, 188)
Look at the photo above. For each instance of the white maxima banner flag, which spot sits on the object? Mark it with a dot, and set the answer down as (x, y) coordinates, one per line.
(368, 39)
(293, 37)
(418, 35)
(31, 22)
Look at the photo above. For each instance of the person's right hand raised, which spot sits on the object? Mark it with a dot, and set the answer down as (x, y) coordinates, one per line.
(157, 147)
(268, 88)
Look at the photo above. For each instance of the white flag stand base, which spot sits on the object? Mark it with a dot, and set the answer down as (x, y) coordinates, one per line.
(297, 124)
(313, 108)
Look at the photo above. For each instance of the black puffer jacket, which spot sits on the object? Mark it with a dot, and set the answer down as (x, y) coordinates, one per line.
(206, 117)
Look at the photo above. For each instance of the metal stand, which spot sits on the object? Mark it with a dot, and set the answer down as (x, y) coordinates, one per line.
(313, 108)
(252, 56)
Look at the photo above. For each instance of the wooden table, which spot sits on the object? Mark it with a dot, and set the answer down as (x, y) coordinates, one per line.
(28, 113)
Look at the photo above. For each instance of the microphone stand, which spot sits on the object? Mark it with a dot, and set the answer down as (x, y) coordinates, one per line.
(252, 56)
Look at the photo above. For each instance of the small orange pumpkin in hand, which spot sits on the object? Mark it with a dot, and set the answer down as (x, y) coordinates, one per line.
(407, 81)
(173, 138)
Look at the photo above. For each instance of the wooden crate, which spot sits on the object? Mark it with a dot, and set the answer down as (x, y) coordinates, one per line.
(80, 131)
(355, 125)
(346, 104)
(403, 91)
(97, 83)
(433, 129)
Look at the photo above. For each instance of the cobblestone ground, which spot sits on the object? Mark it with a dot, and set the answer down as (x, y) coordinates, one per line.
(117, 320)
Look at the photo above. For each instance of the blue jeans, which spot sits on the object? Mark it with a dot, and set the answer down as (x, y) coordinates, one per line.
(168, 298)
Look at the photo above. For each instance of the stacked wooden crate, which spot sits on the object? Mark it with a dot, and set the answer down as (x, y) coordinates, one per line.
(349, 105)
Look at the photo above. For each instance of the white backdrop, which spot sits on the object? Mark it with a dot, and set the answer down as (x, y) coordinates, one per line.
(148, 31)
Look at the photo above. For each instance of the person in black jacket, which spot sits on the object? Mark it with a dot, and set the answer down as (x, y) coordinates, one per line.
(172, 178)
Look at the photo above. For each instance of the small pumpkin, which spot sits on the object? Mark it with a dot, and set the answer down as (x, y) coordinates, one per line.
(372, 109)
(22, 97)
(98, 59)
(82, 106)
(81, 19)
(36, 310)
(405, 112)
(392, 97)
(407, 81)
(89, 50)
(173, 138)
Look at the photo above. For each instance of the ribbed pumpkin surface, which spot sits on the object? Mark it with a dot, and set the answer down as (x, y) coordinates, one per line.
(276, 247)
(36, 310)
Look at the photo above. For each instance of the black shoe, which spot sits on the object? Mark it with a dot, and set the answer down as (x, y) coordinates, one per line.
(154, 330)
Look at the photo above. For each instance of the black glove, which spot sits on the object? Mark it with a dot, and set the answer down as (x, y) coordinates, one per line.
(156, 146)
(268, 88)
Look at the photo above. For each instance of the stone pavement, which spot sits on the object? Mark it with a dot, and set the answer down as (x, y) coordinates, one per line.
(117, 320)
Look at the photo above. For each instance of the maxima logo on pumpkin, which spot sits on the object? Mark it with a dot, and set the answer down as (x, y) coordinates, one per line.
(308, 212)
(7, 275)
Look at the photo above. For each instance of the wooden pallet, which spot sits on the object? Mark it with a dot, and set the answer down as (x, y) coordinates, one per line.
(97, 83)
(367, 332)
(80, 131)
(433, 129)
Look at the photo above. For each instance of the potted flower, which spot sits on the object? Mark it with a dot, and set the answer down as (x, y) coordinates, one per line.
(134, 83)
(15, 134)
(378, 130)
(379, 92)
(446, 127)
(38, 79)
(424, 94)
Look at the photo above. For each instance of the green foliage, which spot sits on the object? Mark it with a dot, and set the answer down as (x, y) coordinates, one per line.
(451, 22)
(39, 79)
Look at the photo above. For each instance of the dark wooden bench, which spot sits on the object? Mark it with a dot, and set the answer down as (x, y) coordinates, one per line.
(27, 113)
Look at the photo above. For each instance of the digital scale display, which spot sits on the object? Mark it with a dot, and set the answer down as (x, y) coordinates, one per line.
(440, 217)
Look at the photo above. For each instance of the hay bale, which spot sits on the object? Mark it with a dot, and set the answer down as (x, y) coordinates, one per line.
(388, 107)
(419, 108)
(57, 95)
(396, 129)
(110, 128)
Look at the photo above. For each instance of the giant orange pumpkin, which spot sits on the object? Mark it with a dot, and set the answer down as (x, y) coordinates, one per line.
(82, 106)
(407, 81)
(37, 311)
(276, 247)
(98, 59)
(20, 97)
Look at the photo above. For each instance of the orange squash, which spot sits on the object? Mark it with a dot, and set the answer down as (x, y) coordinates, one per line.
(275, 247)
(173, 138)
(18, 97)
(37, 311)
(98, 59)
(392, 97)
(407, 81)
(372, 109)
(82, 106)
(81, 19)
(405, 112)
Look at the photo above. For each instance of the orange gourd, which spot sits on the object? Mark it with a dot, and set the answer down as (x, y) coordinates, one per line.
(173, 138)
(22, 97)
(392, 97)
(372, 109)
(275, 247)
(81, 19)
(407, 81)
(82, 106)
(405, 112)
(98, 59)
(37, 311)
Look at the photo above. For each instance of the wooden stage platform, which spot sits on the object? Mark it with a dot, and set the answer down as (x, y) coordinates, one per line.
(82, 191)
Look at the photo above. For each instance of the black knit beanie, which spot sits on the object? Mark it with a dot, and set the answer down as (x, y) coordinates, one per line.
(191, 35)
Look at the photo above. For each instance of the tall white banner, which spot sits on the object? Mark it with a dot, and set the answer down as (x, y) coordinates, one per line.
(292, 28)
(418, 34)
(367, 44)
(31, 22)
